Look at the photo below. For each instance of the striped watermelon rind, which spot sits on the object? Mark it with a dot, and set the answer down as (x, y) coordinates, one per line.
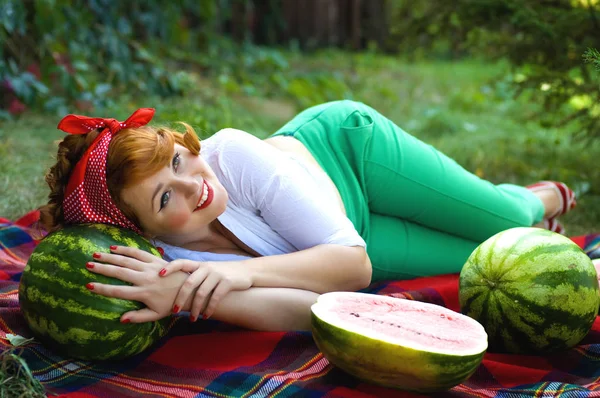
(69, 318)
(390, 364)
(533, 290)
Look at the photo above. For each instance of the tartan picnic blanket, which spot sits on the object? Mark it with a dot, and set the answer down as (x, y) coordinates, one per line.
(212, 359)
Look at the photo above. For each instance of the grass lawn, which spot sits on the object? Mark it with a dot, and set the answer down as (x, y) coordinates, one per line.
(462, 108)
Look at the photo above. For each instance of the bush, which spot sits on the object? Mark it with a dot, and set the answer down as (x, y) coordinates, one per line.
(56, 53)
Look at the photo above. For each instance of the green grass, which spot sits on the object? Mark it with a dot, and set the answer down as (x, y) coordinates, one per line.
(462, 108)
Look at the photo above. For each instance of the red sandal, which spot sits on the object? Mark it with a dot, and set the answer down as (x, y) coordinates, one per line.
(566, 195)
(554, 225)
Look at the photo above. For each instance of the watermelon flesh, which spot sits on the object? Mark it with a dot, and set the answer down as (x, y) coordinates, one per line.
(430, 328)
(397, 343)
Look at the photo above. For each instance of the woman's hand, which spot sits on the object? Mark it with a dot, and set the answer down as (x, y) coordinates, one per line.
(213, 281)
(141, 269)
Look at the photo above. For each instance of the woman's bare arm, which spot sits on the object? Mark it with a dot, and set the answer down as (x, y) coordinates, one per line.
(320, 269)
(267, 309)
(259, 308)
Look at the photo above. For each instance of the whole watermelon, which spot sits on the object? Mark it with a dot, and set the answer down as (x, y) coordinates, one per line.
(533, 290)
(69, 318)
(398, 343)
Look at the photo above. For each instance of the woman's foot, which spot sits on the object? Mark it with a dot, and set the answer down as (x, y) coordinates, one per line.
(558, 199)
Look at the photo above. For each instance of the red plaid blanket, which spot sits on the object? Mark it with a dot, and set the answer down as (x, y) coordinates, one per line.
(211, 359)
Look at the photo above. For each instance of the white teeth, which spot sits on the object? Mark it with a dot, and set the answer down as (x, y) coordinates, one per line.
(204, 195)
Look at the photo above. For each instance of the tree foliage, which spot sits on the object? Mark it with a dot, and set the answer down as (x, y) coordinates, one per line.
(65, 54)
(56, 52)
(60, 54)
(543, 39)
(593, 56)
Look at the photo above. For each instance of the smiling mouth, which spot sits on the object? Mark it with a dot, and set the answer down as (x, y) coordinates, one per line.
(206, 197)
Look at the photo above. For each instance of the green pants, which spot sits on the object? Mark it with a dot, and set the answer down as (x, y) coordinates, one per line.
(419, 211)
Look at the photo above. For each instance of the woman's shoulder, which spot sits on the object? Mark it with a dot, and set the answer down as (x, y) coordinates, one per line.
(241, 161)
(237, 146)
(221, 142)
(231, 136)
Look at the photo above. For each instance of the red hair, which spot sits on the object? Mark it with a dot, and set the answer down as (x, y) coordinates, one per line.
(134, 154)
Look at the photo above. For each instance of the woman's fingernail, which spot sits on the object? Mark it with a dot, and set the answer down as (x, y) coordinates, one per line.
(175, 309)
(96, 255)
(126, 320)
(161, 251)
(162, 272)
(204, 317)
(193, 318)
(113, 247)
(90, 286)
(89, 265)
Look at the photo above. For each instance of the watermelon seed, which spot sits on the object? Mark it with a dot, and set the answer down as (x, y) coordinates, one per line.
(400, 326)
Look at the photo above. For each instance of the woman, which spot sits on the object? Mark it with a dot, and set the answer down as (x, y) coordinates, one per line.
(253, 231)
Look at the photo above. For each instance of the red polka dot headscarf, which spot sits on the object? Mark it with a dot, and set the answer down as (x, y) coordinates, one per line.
(87, 199)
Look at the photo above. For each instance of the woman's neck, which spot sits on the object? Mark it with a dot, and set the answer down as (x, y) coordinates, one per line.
(215, 239)
(207, 236)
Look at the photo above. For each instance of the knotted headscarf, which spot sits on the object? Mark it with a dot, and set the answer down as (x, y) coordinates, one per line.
(87, 199)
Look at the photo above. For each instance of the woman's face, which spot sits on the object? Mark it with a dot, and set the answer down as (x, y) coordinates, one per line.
(179, 202)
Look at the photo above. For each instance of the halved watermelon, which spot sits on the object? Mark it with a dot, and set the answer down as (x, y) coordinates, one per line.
(397, 343)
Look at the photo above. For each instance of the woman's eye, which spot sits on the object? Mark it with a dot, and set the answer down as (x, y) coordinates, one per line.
(164, 199)
(176, 161)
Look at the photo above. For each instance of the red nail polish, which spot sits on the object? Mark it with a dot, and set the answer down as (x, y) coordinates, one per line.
(125, 320)
(162, 272)
(161, 251)
(175, 309)
(193, 318)
(113, 247)
(89, 265)
(90, 286)
(96, 255)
